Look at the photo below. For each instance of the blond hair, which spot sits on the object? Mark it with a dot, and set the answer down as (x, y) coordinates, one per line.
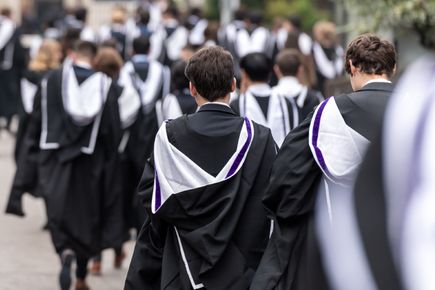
(46, 58)
(119, 14)
(325, 33)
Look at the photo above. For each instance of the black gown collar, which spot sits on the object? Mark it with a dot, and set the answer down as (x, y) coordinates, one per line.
(216, 108)
(377, 86)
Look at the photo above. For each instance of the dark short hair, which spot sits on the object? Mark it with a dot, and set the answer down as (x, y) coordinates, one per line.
(289, 61)
(257, 66)
(240, 14)
(81, 13)
(86, 48)
(141, 45)
(211, 71)
(143, 16)
(371, 55)
(255, 16)
(296, 21)
(178, 78)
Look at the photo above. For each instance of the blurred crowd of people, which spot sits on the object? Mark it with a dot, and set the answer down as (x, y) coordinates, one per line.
(135, 64)
(91, 101)
(173, 36)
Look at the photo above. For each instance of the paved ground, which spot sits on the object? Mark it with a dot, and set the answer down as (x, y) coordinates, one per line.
(27, 258)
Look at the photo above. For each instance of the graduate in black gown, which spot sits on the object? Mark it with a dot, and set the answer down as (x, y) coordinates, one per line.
(289, 70)
(254, 37)
(118, 32)
(170, 38)
(310, 191)
(78, 137)
(179, 102)
(27, 145)
(258, 102)
(110, 62)
(394, 189)
(12, 64)
(327, 54)
(202, 188)
(150, 81)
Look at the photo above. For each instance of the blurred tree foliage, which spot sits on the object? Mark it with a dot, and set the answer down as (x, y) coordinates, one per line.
(274, 9)
(375, 15)
(308, 12)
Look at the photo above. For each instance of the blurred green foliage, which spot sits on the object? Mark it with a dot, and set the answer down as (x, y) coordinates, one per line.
(274, 9)
(212, 9)
(304, 8)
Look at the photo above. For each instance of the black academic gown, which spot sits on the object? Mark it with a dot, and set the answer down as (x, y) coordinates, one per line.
(84, 215)
(227, 259)
(292, 259)
(263, 102)
(34, 77)
(26, 153)
(138, 149)
(371, 213)
(186, 101)
(313, 98)
(12, 63)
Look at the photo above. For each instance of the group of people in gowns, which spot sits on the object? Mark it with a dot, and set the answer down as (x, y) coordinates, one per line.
(232, 167)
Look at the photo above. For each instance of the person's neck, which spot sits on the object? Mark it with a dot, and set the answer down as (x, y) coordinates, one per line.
(82, 62)
(200, 101)
(364, 79)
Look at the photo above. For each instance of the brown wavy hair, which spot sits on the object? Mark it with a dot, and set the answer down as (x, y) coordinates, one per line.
(108, 61)
(371, 55)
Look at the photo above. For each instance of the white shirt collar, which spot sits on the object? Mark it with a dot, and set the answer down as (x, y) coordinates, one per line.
(139, 58)
(83, 64)
(290, 85)
(260, 90)
(380, 80)
(217, 103)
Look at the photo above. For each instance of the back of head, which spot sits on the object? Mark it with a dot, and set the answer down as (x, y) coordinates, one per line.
(108, 61)
(70, 38)
(178, 78)
(171, 12)
(288, 62)
(47, 57)
(119, 15)
(85, 49)
(143, 16)
(295, 21)
(371, 55)
(257, 66)
(211, 32)
(240, 14)
(211, 71)
(80, 14)
(256, 17)
(325, 33)
(141, 45)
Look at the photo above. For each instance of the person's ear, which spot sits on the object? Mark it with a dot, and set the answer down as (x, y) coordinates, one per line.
(234, 85)
(353, 69)
(394, 70)
(277, 71)
(193, 91)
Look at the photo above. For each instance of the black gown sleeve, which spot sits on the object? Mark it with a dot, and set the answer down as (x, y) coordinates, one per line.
(146, 264)
(289, 200)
